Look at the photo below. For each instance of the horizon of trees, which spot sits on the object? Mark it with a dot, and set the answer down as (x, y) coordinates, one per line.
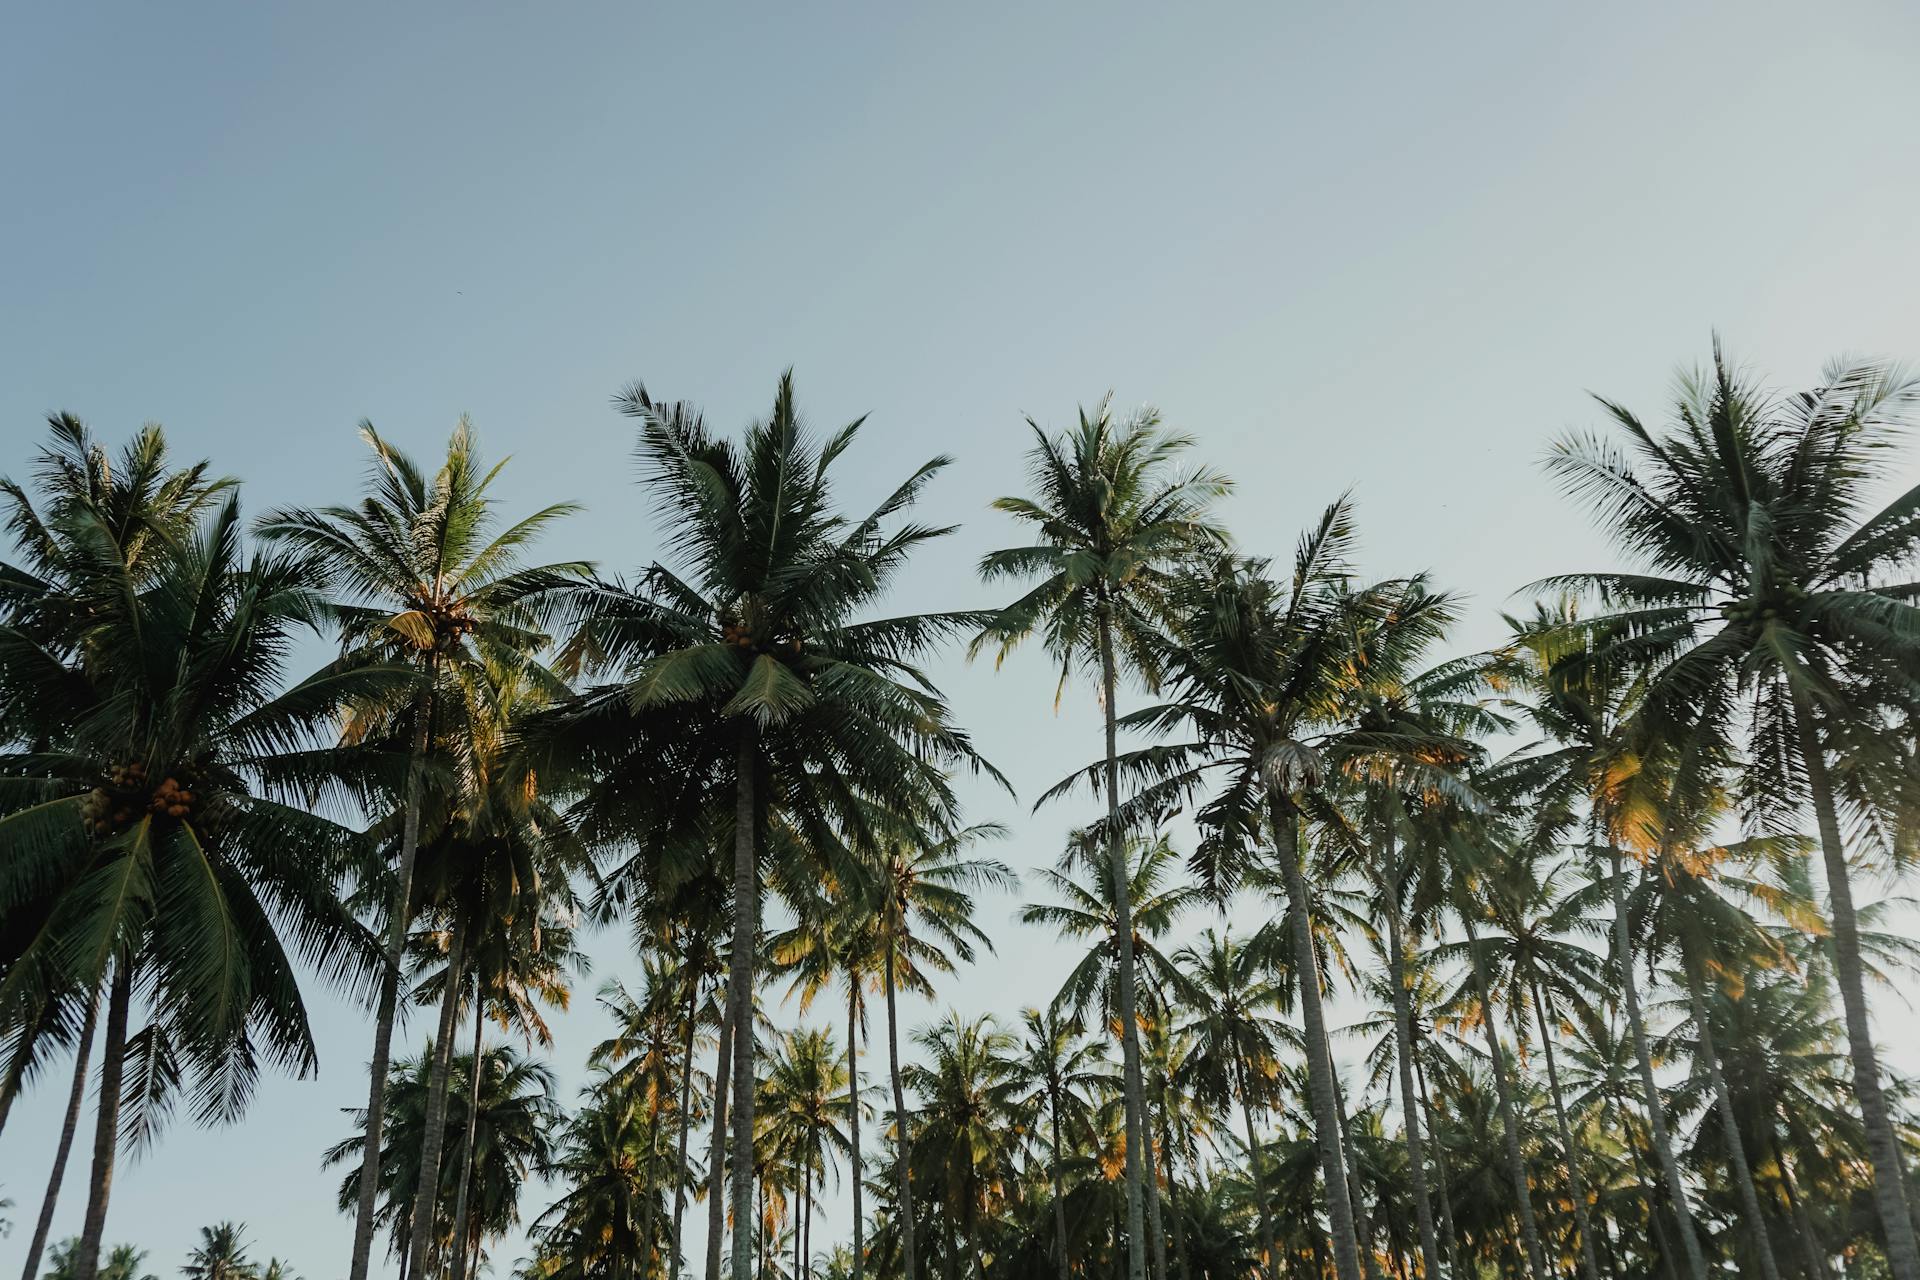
(1594, 895)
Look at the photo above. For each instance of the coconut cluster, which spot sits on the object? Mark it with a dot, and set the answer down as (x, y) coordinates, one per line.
(127, 794)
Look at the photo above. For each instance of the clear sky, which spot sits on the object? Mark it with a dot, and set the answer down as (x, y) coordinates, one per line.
(1382, 247)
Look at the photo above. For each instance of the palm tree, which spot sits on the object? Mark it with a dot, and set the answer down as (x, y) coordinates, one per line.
(1596, 755)
(805, 1117)
(1233, 1021)
(594, 1227)
(1059, 1070)
(1689, 904)
(123, 1262)
(90, 511)
(221, 1254)
(1260, 677)
(921, 888)
(424, 575)
(753, 660)
(150, 843)
(1526, 956)
(1768, 602)
(512, 1130)
(966, 1087)
(1113, 521)
(838, 937)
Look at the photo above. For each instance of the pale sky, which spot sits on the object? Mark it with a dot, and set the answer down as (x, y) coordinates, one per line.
(1383, 247)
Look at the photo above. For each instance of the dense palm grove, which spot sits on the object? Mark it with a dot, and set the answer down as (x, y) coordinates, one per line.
(1386, 960)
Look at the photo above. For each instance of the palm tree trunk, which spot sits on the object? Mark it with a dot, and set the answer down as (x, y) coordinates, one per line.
(904, 1204)
(464, 1194)
(853, 1120)
(1656, 1113)
(1363, 1227)
(1326, 1110)
(717, 1156)
(1403, 1056)
(1269, 1250)
(1059, 1190)
(685, 1119)
(1155, 1226)
(1132, 1086)
(1439, 1165)
(426, 1196)
(1509, 1115)
(1889, 1175)
(397, 924)
(76, 1100)
(1173, 1187)
(1729, 1121)
(651, 1181)
(746, 928)
(106, 1134)
(1582, 1221)
(799, 1208)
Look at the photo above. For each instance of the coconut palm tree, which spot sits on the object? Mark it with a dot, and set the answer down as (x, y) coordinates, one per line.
(1059, 1069)
(920, 887)
(1594, 756)
(966, 1087)
(1522, 913)
(221, 1254)
(1233, 1020)
(1259, 680)
(805, 1117)
(513, 1126)
(88, 510)
(594, 1227)
(1770, 600)
(423, 574)
(1114, 517)
(755, 658)
(154, 846)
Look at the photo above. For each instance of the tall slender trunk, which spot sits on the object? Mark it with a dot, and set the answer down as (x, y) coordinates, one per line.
(1650, 1090)
(903, 1205)
(397, 925)
(1439, 1167)
(853, 1121)
(426, 1196)
(799, 1210)
(1133, 1089)
(1363, 1227)
(746, 930)
(1889, 1174)
(1401, 980)
(106, 1133)
(1582, 1222)
(76, 1101)
(464, 1192)
(1156, 1227)
(1059, 1190)
(651, 1181)
(1254, 1170)
(1173, 1187)
(1326, 1110)
(1730, 1126)
(1509, 1115)
(717, 1157)
(685, 1120)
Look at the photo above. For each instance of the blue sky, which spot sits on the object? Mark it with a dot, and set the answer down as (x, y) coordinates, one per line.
(1384, 248)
